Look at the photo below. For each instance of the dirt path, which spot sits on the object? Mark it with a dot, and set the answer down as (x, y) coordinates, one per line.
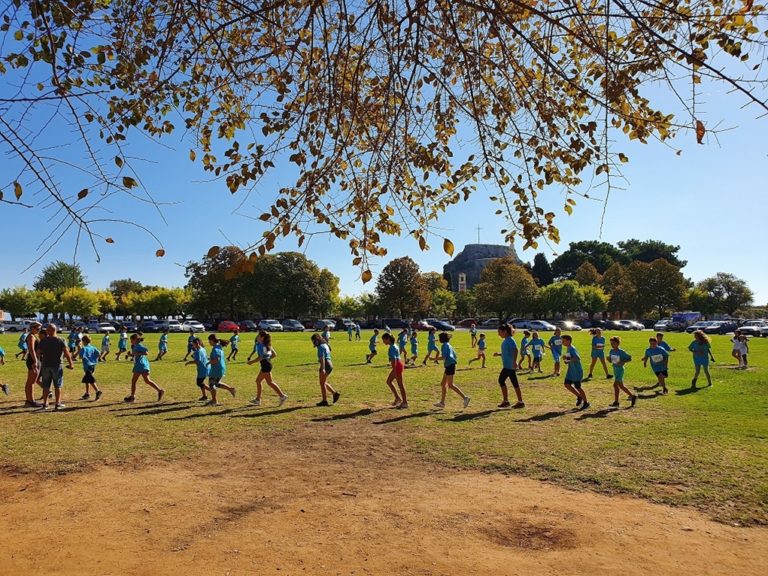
(344, 499)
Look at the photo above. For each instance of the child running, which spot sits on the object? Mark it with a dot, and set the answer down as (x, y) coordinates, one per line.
(104, 347)
(122, 343)
(525, 351)
(508, 366)
(141, 369)
(22, 354)
(658, 357)
(402, 341)
(743, 350)
(556, 346)
(234, 343)
(357, 332)
(200, 359)
(264, 355)
(326, 367)
(702, 354)
(618, 358)
(73, 341)
(162, 346)
(327, 336)
(537, 345)
(598, 352)
(736, 350)
(574, 374)
(4, 387)
(473, 335)
(218, 369)
(372, 347)
(191, 344)
(414, 347)
(449, 358)
(401, 400)
(90, 357)
(481, 346)
(431, 347)
(350, 329)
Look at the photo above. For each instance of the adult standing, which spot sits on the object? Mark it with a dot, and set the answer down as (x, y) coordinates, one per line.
(51, 349)
(33, 364)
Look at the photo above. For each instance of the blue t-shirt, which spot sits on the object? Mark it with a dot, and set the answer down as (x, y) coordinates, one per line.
(616, 357)
(700, 352)
(324, 352)
(537, 344)
(163, 345)
(448, 354)
(556, 344)
(431, 341)
(372, 342)
(482, 344)
(658, 357)
(401, 339)
(575, 372)
(90, 356)
(200, 357)
(524, 346)
(140, 360)
(123, 342)
(262, 351)
(219, 369)
(414, 344)
(508, 350)
(598, 346)
(326, 335)
(664, 345)
(23, 340)
(2, 352)
(105, 340)
(393, 353)
(234, 341)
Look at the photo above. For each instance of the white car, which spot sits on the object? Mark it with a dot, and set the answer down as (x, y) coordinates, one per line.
(541, 326)
(193, 325)
(270, 325)
(631, 324)
(106, 328)
(170, 325)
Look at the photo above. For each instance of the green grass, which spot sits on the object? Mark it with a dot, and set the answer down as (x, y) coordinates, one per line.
(706, 449)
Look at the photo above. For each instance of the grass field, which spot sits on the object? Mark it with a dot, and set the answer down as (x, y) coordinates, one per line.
(707, 448)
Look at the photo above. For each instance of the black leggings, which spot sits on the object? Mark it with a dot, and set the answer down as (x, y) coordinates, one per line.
(508, 373)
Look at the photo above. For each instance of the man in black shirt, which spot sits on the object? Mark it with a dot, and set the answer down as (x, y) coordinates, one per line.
(50, 350)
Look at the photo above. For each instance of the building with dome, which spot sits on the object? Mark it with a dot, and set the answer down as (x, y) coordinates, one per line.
(463, 272)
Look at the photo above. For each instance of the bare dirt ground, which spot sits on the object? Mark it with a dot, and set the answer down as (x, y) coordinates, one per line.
(345, 499)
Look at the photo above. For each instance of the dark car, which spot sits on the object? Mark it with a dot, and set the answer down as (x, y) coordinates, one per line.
(395, 323)
(569, 325)
(291, 325)
(441, 325)
(130, 325)
(420, 325)
(721, 327)
(149, 326)
(322, 325)
(342, 324)
(248, 326)
(467, 323)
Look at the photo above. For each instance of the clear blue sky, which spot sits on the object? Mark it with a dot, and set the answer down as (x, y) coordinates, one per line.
(711, 201)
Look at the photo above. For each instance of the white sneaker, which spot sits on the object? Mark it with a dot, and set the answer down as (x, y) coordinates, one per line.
(466, 401)
(61, 406)
(283, 398)
(256, 402)
(439, 405)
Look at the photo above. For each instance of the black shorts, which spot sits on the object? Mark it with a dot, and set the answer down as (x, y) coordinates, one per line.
(328, 368)
(88, 377)
(574, 383)
(201, 382)
(663, 373)
(266, 366)
(450, 370)
(31, 364)
(508, 373)
(213, 382)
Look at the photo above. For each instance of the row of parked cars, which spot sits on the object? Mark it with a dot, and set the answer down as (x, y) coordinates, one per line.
(750, 327)
(545, 326)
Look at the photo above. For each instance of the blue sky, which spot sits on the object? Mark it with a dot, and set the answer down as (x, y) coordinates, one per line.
(711, 201)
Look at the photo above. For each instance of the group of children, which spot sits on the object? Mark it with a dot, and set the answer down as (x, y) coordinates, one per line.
(211, 368)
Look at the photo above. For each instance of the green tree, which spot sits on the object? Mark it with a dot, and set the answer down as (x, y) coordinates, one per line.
(562, 297)
(658, 285)
(401, 288)
(47, 303)
(435, 281)
(728, 292)
(19, 301)
(362, 101)
(701, 301)
(107, 302)
(350, 307)
(505, 287)
(541, 270)
(442, 303)
(466, 303)
(328, 292)
(595, 300)
(80, 302)
(587, 275)
(600, 254)
(59, 276)
(370, 305)
(650, 250)
(216, 283)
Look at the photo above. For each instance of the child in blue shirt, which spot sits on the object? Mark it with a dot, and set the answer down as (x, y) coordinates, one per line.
(357, 332)
(234, 343)
(104, 347)
(414, 347)
(122, 343)
(372, 347)
(264, 355)
(449, 358)
(525, 351)
(537, 346)
(326, 367)
(141, 369)
(556, 346)
(431, 347)
(22, 344)
(702, 353)
(574, 374)
(350, 328)
(162, 346)
(482, 344)
(618, 358)
(402, 340)
(396, 373)
(218, 369)
(90, 357)
(191, 344)
(200, 360)
(508, 366)
(598, 352)
(659, 358)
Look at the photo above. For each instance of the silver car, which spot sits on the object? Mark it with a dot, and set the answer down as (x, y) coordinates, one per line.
(270, 325)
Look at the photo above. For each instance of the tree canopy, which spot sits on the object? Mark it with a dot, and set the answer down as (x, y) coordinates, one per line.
(59, 276)
(369, 103)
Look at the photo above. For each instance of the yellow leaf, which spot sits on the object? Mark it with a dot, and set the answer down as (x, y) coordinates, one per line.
(160, 253)
(213, 251)
(17, 190)
(82, 194)
(448, 247)
(192, 155)
(366, 276)
(19, 35)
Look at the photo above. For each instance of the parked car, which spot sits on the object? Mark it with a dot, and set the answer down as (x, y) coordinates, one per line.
(568, 325)
(541, 326)
(342, 324)
(2, 328)
(270, 325)
(701, 325)
(631, 324)
(248, 326)
(753, 327)
(519, 323)
(441, 324)
(467, 323)
(291, 325)
(92, 326)
(490, 323)
(721, 327)
(193, 325)
(149, 326)
(170, 325)
(227, 326)
(663, 325)
(395, 323)
(321, 325)
(106, 328)
(19, 324)
(421, 325)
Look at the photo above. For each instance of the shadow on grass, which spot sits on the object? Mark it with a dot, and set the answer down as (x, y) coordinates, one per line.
(271, 412)
(202, 415)
(542, 377)
(144, 405)
(465, 416)
(406, 417)
(358, 364)
(546, 416)
(89, 406)
(347, 415)
(300, 365)
(604, 413)
(161, 410)
(656, 394)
